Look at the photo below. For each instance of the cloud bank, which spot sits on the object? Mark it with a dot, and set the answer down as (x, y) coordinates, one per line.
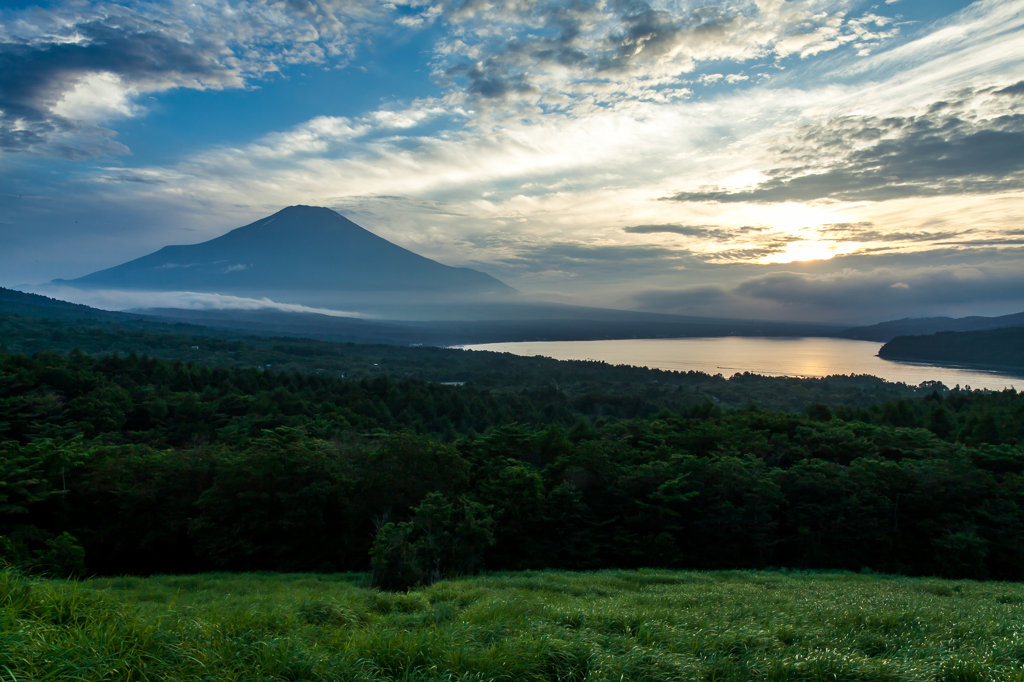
(112, 299)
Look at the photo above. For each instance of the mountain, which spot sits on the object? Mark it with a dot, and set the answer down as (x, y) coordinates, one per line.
(298, 249)
(1003, 347)
(887, 331)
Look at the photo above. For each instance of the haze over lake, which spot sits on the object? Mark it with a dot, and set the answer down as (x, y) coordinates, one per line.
(797, 357)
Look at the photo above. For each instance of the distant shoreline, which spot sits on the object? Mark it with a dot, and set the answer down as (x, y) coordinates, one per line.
(1000, 369)
(793, 357)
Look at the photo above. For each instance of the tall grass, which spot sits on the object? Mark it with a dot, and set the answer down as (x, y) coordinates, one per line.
(610, 625)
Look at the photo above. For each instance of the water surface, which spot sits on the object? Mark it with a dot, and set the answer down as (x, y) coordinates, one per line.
(795, 357)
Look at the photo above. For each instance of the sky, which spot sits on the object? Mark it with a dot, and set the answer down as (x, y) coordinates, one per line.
(826, 160)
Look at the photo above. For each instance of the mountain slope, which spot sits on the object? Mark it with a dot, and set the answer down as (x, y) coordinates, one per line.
(910, 326)
(13, 302)
(298, 249)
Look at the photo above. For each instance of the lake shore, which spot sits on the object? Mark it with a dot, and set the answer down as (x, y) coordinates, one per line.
(800, 357)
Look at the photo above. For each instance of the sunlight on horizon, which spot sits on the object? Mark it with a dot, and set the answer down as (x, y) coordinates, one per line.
(800, 251)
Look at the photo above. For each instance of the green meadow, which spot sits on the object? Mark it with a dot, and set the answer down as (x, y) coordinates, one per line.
(727, 626)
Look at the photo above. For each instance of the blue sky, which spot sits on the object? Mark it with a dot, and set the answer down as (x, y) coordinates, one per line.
(810, 159)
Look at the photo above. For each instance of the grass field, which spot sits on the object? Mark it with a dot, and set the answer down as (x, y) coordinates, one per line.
(611, 625)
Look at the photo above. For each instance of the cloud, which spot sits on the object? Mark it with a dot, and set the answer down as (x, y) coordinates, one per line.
(68, 68)
(1015, 89)
(848, 294)
(109, 299)
(569, 255)
(684, 299)
(703, 231)
(534, 263)
(571, 56)
(970, 143)
(175, 266)
(864, 232)
(888, 288)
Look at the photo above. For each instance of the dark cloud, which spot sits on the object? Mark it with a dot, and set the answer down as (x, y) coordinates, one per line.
(490, 79)
(865, 232)
(562, 254)
(748, 254)
(33, 78)
(649, 34)
(686, 230)
(572, 261)
(849, 294)
(1015, 89)
(705, 231)
(687, 298)
(853, 290)
(942, 151)
(130, 175)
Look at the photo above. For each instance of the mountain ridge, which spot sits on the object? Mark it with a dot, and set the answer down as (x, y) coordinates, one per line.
(919, 326)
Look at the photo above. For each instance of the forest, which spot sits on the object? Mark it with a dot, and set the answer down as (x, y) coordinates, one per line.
(130, 464)
(636, 390)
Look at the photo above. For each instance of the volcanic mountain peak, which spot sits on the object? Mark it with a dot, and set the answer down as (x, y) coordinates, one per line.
(298, 249)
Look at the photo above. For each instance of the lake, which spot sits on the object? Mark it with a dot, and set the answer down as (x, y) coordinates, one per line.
(794, 357)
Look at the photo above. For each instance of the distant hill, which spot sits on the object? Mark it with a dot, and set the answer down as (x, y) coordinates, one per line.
(552, 323)
(13, 302)
(911, 326)
(992, 347)
(298, 249)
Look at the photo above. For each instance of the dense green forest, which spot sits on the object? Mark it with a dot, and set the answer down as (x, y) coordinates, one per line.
(636, 390)
(992, 347)
(132, 464)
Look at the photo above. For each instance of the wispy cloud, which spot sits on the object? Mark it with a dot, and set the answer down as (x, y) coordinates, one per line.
(558, 56)
(112, 299)
(702, 231)
(969, 143)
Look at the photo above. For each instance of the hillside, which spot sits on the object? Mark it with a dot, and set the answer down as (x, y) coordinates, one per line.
(915, 326)
(298, 249)
(14, 302)
(551, 626)
(993, 347)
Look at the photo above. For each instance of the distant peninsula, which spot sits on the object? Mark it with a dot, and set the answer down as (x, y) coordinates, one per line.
(995, 348)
